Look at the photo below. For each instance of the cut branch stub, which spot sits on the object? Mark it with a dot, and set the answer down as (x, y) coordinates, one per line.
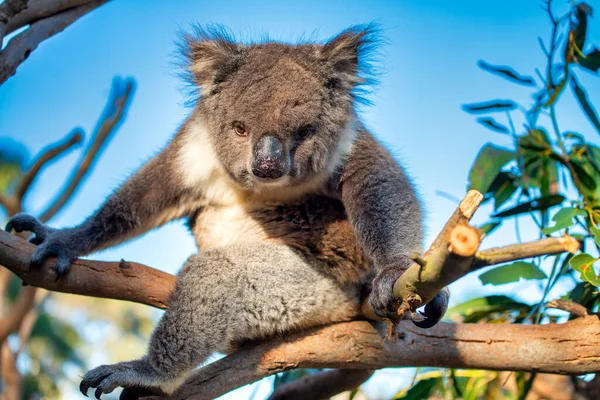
(419, 284)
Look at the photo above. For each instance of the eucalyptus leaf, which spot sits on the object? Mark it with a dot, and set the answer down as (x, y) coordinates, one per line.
(490, 106)
(564, 218)
(511, 273)
(539, 204)
(585, 102)
(487, 305)
(492, 124)
(487, 166)
(584, 264)
(506, 72)
(591, 61)
(421, 390)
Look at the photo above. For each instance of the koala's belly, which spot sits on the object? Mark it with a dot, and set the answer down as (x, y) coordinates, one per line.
(317, 227)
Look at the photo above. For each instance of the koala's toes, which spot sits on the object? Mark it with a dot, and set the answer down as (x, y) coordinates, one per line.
(434, 310)
(25, 222)
(94, 377)
(382, 299)
(63, 264)
(41, 253)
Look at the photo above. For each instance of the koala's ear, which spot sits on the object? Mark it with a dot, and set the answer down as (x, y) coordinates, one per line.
(207, 52)
(345, 51)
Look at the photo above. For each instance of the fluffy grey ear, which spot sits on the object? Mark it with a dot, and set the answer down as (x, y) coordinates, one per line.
(208, 52)
(346, 52)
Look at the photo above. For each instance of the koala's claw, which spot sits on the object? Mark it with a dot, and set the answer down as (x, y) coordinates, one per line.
(25, 222)
(128, 375)
(50, 243)
(434, 310)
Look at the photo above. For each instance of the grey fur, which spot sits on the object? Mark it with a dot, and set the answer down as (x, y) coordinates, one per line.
(294, 205)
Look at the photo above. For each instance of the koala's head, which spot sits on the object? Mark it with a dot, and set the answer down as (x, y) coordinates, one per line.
(278, 114)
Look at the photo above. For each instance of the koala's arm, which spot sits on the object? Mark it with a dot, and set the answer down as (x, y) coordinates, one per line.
(384, 210)
(149, 198)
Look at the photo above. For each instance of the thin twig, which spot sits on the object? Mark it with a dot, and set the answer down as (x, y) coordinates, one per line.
(575, 309)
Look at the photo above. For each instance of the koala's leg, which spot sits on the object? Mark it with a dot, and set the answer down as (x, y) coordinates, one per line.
(223, 297)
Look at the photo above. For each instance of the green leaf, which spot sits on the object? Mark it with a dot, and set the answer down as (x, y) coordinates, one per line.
(564, 219)
(506, 72)
(539, 160)
(542, 203)
(511, 273)
(502, 189)
(591, 61)
(487, 166)
(492, 124)
(487, 305)
(490, 106)
(488, 228)
(582, 13)
(584, 264)
(596, 234)
(585, 102)
(421, 390)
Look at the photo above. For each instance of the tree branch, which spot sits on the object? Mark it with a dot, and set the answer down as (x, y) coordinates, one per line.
(323, 385)
(47, 155)
(21, 46)
(114, 280)
(454, 257)
(572, 348)
(113, 114)
(8, 10)
(39, 9)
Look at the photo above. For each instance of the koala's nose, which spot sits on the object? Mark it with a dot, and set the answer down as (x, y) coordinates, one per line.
(269, 161)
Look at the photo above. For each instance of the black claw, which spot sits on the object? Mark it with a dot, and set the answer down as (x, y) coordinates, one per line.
(98, 393)
(83, 387)
(434, 310)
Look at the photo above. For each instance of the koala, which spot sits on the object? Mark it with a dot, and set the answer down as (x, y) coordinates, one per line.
(294, 205)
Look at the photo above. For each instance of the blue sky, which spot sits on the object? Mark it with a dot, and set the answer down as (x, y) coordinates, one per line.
(429, 71)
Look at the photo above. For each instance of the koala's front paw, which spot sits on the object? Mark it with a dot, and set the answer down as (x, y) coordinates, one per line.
(51, 242)
(382, 299)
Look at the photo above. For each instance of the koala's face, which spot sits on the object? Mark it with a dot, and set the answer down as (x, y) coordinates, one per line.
(278, 115)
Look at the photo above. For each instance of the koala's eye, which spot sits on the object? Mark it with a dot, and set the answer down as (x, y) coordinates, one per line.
(306, 131)
(239, 129)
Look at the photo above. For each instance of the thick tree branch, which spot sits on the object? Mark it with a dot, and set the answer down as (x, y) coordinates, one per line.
(114, 280)
(135, 282)
(8, 10)
(39, 9)
(20, 47)
(572, 348)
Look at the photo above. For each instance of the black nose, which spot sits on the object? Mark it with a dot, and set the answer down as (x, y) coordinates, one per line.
(269, 158)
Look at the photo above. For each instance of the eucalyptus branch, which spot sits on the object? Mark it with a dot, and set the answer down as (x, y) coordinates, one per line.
(20, 47)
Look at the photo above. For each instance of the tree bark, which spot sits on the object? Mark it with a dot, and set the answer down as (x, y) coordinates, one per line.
(572, 348)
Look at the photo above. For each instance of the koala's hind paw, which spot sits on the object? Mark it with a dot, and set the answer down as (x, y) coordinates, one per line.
(434, 310)
(135, 376)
